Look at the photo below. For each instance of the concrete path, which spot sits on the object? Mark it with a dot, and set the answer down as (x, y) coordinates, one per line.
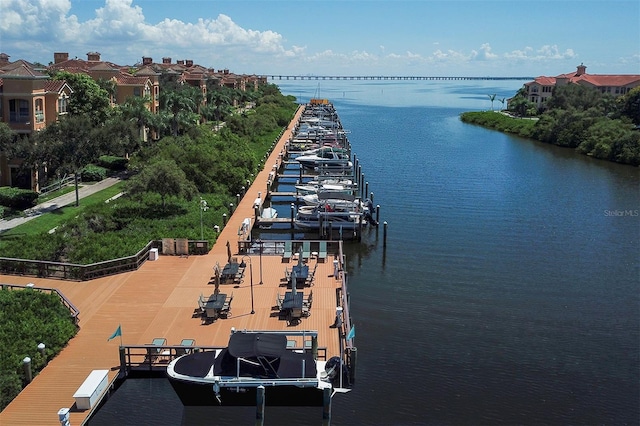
(58, 202)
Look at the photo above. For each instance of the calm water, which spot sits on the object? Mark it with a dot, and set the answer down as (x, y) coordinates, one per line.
(507, 293)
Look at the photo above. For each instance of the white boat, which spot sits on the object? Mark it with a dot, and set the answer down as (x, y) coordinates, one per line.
(337, 215)
(326, 158)
(341, 198)
(231, 375)
(331, 180)
(324, 187)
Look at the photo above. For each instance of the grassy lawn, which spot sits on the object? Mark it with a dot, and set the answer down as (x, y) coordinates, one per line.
(50, 220)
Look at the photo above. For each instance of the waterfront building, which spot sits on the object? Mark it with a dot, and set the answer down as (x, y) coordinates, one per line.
(541, 88)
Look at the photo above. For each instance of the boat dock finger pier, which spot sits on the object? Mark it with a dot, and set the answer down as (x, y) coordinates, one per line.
(316, 185)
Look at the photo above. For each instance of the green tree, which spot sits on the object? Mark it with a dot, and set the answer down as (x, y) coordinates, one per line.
(66, 146)
(576, 96)
(520, 104)
(182, 107)
(116, 137)
(629, 105)
(87, 97)
(162, 177)
(135, 109)
(7, 139)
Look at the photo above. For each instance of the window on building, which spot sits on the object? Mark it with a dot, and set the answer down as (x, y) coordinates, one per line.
(18, 111)
(39, 110)
(147, 91)
(137, 91)
(62, 104)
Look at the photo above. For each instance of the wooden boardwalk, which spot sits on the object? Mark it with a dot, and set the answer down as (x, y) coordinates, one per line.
(159, 300)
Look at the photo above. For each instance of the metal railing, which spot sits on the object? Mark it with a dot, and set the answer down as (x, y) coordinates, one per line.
(66, 302)
(66, 180)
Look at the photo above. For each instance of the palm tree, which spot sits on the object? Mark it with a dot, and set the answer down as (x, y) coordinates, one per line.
(492, 98)
(136, 110)
(179, 103)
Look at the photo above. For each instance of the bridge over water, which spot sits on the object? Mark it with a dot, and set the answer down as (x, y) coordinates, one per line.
(387, 77)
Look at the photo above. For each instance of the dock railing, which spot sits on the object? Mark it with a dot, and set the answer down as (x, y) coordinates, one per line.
(151, 358)
(78, 272)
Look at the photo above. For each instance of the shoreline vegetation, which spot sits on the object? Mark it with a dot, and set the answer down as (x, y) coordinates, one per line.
(576, 117)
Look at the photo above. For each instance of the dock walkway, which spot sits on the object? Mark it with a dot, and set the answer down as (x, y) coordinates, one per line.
(159, 301)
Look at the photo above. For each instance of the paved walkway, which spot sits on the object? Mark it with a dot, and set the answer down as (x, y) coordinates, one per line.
(58, 202)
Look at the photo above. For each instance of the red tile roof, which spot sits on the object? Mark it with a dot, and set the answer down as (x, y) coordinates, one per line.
(597, 80)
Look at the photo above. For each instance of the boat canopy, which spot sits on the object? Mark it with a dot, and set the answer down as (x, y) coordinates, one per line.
(253, 345)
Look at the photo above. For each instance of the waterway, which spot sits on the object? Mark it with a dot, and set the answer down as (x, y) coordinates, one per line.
(508, 288)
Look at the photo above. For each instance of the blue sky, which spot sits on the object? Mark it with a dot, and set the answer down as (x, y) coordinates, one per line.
(335, 37)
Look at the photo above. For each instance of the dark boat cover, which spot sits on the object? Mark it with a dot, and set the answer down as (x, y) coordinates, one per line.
(249, 345)
(197, 364)
(261, 356)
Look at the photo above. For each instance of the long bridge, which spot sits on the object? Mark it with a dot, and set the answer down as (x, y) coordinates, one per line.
(387, 77)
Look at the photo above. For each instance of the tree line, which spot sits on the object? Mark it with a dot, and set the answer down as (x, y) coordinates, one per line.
(579, 117)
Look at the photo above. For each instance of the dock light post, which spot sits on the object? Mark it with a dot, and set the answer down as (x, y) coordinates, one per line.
(250, 280)
(203, 208)
(259, 241)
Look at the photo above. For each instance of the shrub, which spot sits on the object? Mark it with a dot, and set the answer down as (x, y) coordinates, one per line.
(113, 163)
(93, 173)
(29, 317)
(17, 198)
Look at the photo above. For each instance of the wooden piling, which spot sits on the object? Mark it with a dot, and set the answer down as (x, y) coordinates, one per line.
(260, 403)
(353, 361)
(384, 235)
(326, 405)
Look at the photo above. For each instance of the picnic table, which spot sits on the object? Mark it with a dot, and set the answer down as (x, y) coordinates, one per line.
(214, 304)
(229, 272)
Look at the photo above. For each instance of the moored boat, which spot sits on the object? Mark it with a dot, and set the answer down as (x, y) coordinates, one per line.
(326, 158)
(230, 375)
(337, 215)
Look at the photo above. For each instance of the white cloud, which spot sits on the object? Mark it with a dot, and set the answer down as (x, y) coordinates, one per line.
(546, 52)
(50, 24)
(31, 17)
(484, 54)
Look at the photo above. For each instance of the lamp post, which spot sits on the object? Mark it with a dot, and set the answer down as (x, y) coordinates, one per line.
(259, 241)
(250, 280)
(203, 208)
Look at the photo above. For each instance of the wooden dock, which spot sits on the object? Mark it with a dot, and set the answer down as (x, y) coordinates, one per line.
(159, 301)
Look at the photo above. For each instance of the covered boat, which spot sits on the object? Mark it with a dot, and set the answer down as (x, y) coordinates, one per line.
(230, 376)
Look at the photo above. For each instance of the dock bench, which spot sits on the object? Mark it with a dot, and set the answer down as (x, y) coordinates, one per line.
(91, 389)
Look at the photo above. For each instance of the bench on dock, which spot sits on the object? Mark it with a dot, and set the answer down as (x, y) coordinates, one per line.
(89, 393)
(287, 251)
(322, 251)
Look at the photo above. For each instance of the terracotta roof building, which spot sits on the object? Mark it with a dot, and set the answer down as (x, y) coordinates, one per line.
(540, 89)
